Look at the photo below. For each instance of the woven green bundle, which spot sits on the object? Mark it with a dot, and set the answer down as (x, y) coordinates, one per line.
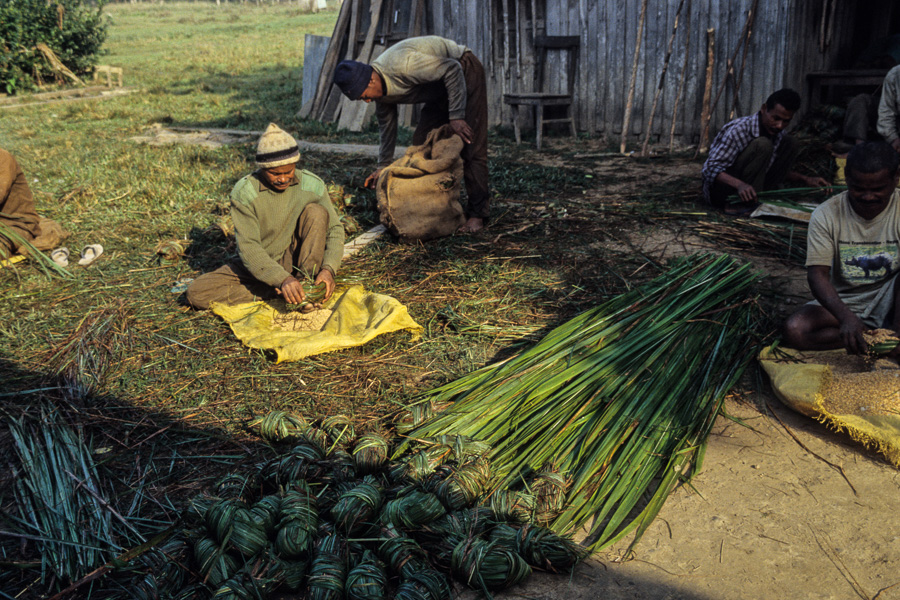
(294, 539)
(510, 505)
(401, 553)
(412, 510)
(357, 507)
(268, 511)
(162, 574)
(544, 549)
(433, 583)
(298, 525)
(292, 573)
(549, 489)
(339, 429)
(237, 487)
(300, 503)
(318, 438)
(240, 587)
(213, 562)
(370, 453)
(219, 518)
(465, 486)
(487, 566)
(312, 294)
(280, 426)
(409, 590)
(249, 534)
(328, 572)
(367, 580)
(303, 462)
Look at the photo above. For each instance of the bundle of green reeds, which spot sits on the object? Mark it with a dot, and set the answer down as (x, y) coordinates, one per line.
(622, 396)
(60, 498)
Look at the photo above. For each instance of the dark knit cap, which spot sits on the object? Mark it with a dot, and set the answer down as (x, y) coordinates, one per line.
(352, 77)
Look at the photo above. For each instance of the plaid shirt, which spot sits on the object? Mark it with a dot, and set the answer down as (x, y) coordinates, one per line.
(729, 143)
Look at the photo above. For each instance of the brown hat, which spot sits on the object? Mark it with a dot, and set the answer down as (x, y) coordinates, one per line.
(276, 148)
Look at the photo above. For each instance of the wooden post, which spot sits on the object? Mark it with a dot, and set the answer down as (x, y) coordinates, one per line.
(687, 53)
(748, 31)
(662, 78)
(353, 111)
(707, 91)
(634, 66)
(337, 38)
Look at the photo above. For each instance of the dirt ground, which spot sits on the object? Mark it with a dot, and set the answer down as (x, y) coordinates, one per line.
(767, 516)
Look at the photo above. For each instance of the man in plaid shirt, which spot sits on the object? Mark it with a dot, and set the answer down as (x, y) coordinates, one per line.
(754, 153)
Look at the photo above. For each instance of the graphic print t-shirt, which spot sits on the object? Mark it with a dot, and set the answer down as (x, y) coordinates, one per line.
(862, 254)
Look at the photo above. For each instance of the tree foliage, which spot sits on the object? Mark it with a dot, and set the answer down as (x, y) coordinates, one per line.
(73, 29)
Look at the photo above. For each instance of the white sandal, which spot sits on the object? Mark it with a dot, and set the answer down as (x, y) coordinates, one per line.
(89, 254)
(60, 256)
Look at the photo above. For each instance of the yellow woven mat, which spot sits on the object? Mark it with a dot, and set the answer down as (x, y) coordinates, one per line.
(799, 385)
(358, 316)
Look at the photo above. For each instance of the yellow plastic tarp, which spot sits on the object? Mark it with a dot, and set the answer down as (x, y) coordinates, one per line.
(358, 316)
(799, 385)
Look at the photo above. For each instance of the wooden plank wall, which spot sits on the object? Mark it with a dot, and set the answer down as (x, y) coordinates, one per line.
(784, 46)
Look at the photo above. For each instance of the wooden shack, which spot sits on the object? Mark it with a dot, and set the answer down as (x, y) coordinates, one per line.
(731, 53)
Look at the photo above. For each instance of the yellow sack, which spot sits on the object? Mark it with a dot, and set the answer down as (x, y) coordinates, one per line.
(358, 316)
(799, 385)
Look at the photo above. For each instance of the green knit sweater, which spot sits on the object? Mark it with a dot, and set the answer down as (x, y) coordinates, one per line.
(265, 220)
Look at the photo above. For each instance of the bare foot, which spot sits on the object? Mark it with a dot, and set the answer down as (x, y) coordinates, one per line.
(472, 225)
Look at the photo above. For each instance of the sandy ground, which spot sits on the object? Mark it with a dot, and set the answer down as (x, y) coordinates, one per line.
(767, 516)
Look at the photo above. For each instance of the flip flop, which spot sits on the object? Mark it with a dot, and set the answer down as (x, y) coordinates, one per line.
(60, 256)
(89, 254)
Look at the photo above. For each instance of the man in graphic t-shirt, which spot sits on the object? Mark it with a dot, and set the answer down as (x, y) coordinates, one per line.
(853, 257)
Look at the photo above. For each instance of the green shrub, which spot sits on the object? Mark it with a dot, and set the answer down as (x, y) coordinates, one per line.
(73, 29)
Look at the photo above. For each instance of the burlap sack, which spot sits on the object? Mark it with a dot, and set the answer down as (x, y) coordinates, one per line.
(418, 195)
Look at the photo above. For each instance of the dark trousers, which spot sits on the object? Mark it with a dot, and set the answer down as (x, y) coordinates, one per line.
(233, 283)
(860, 118)
(474, 155)
(752, 166)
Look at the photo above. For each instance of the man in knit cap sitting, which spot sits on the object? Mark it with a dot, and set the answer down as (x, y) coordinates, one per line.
(286, 229)
(450, 80)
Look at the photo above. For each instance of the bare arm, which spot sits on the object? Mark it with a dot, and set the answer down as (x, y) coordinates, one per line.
(851, 326)
(806, 180)
(744, 190)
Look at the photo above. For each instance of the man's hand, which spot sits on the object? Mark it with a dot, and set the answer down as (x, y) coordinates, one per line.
(462, 129)
(817, 182)
(292, 290)
(372, 179)
(746, 193)
(326, 276)
(852, 329)
(896, 144)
